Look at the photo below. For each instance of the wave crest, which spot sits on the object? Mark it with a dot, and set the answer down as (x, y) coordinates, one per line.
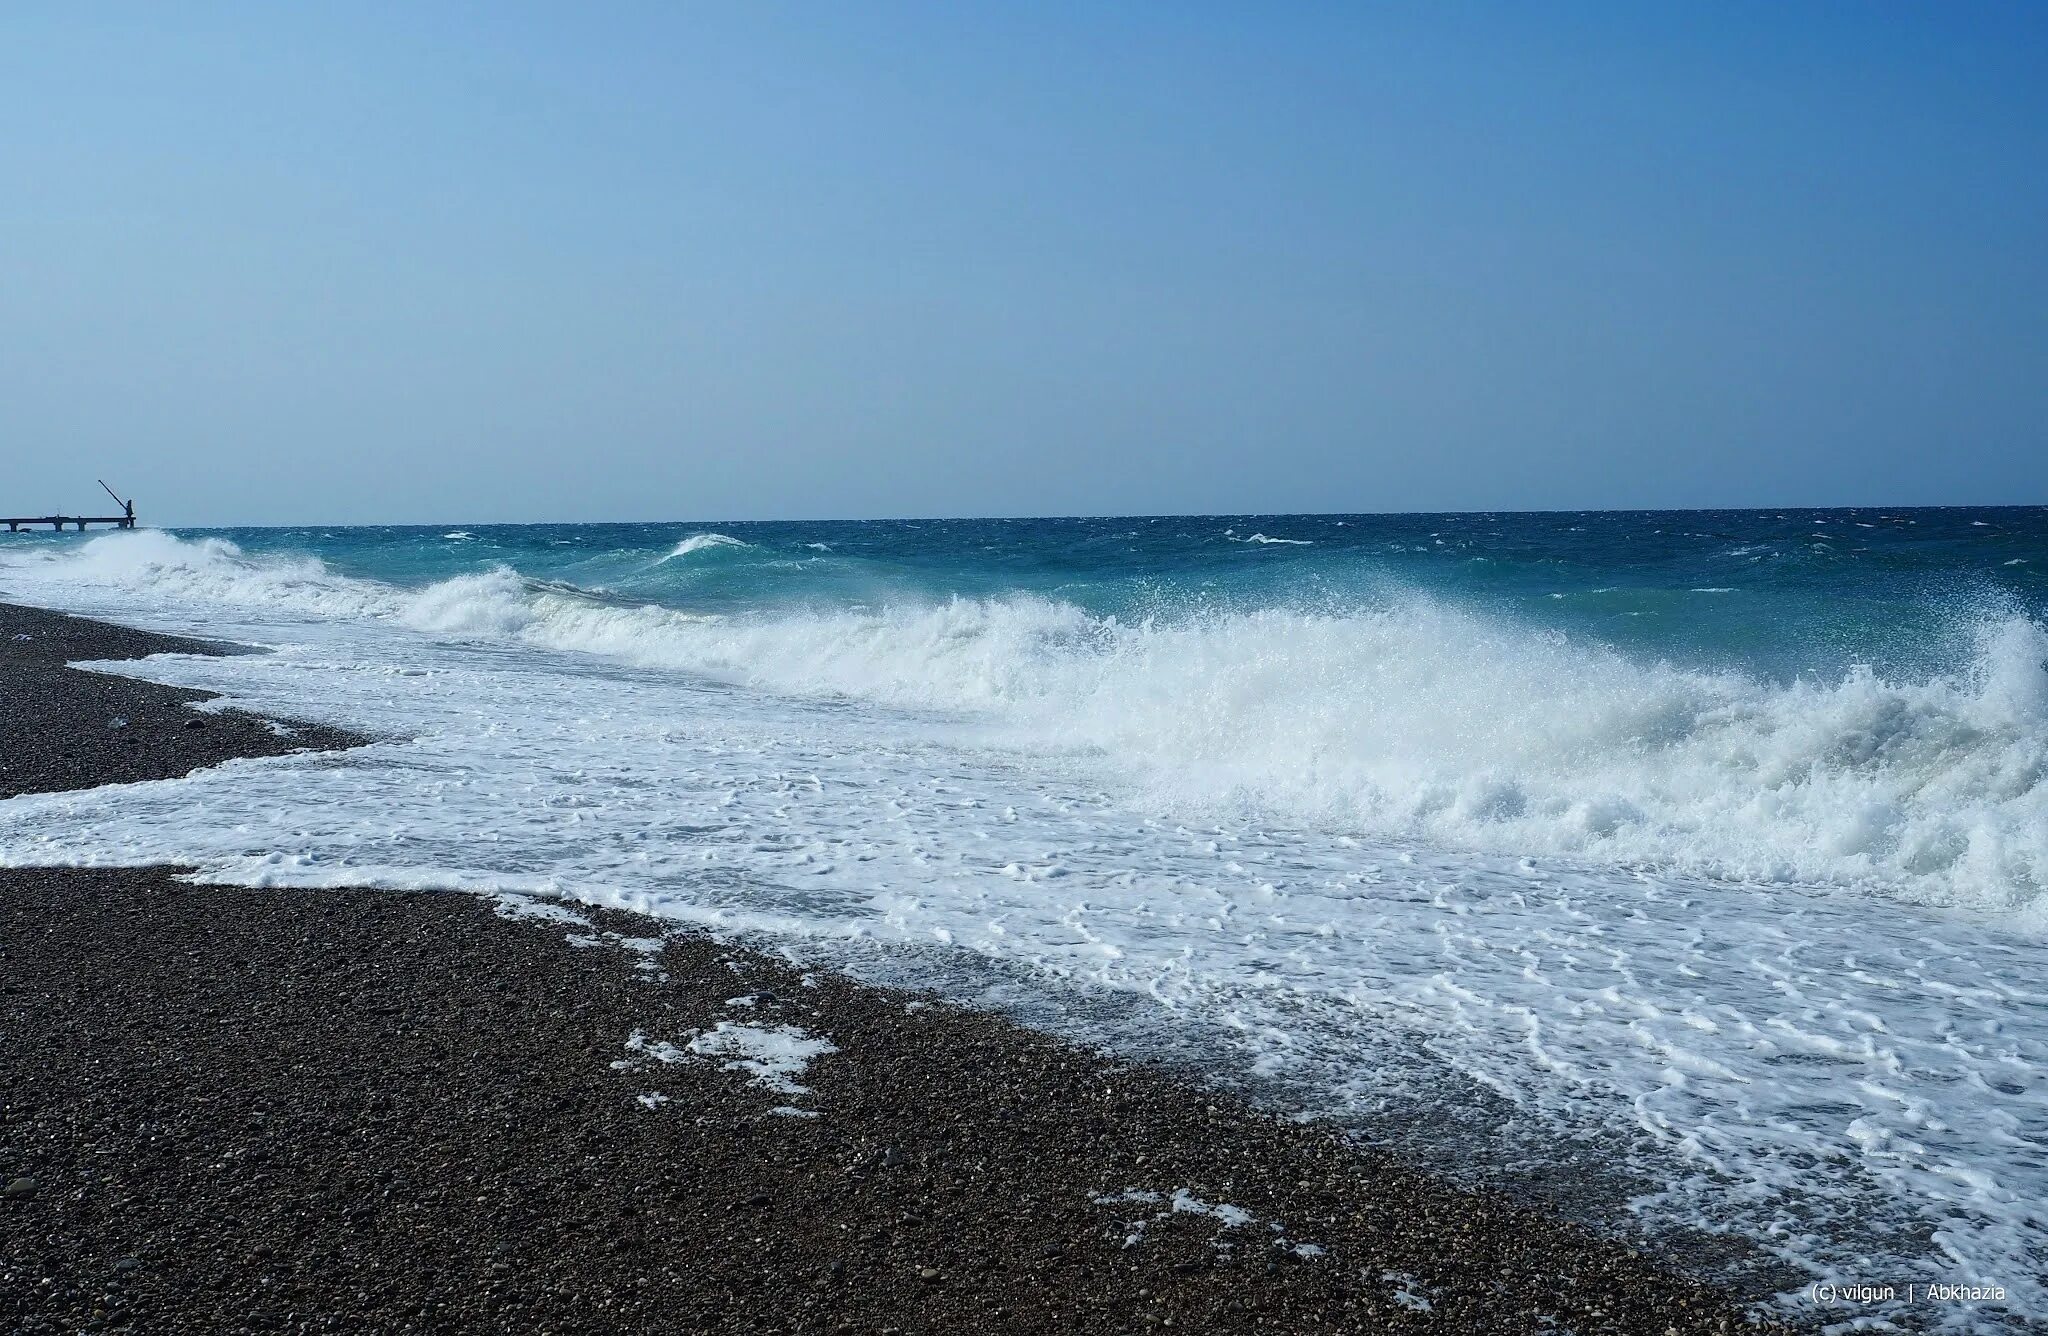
(700, 542)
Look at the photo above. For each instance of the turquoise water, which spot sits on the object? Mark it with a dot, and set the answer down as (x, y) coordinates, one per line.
(1777, 592)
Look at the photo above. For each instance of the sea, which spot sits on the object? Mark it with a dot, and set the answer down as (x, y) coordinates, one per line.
(1687, 871)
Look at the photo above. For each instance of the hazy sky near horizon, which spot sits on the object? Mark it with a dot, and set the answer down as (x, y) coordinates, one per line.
(398, 263)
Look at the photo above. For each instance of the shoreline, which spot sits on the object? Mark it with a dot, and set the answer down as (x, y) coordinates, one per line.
(365, 1110)
(70, 728)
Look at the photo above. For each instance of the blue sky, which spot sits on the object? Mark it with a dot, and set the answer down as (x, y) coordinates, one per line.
(362, 263)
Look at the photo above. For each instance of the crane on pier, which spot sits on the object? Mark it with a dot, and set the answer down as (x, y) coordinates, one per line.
(124, 520)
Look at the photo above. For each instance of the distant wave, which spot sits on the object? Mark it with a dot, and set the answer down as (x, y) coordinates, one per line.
(1290, 542)
(700, 542)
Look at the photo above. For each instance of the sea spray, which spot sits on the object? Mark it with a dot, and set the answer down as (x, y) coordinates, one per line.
(1411, 718)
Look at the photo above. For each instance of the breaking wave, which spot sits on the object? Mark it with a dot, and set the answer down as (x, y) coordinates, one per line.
(699, 542)
(1414, 719)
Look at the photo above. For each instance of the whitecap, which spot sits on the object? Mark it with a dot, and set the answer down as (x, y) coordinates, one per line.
(701, 542)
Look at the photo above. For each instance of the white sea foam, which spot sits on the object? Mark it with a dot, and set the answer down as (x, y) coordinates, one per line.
(1413, 720)
(1375, 853)
(773, 1056)
(1425, 722)
(205, 572)
(1183, 1202)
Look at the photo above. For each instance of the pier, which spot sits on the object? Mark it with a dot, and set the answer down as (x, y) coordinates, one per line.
(124, 520)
